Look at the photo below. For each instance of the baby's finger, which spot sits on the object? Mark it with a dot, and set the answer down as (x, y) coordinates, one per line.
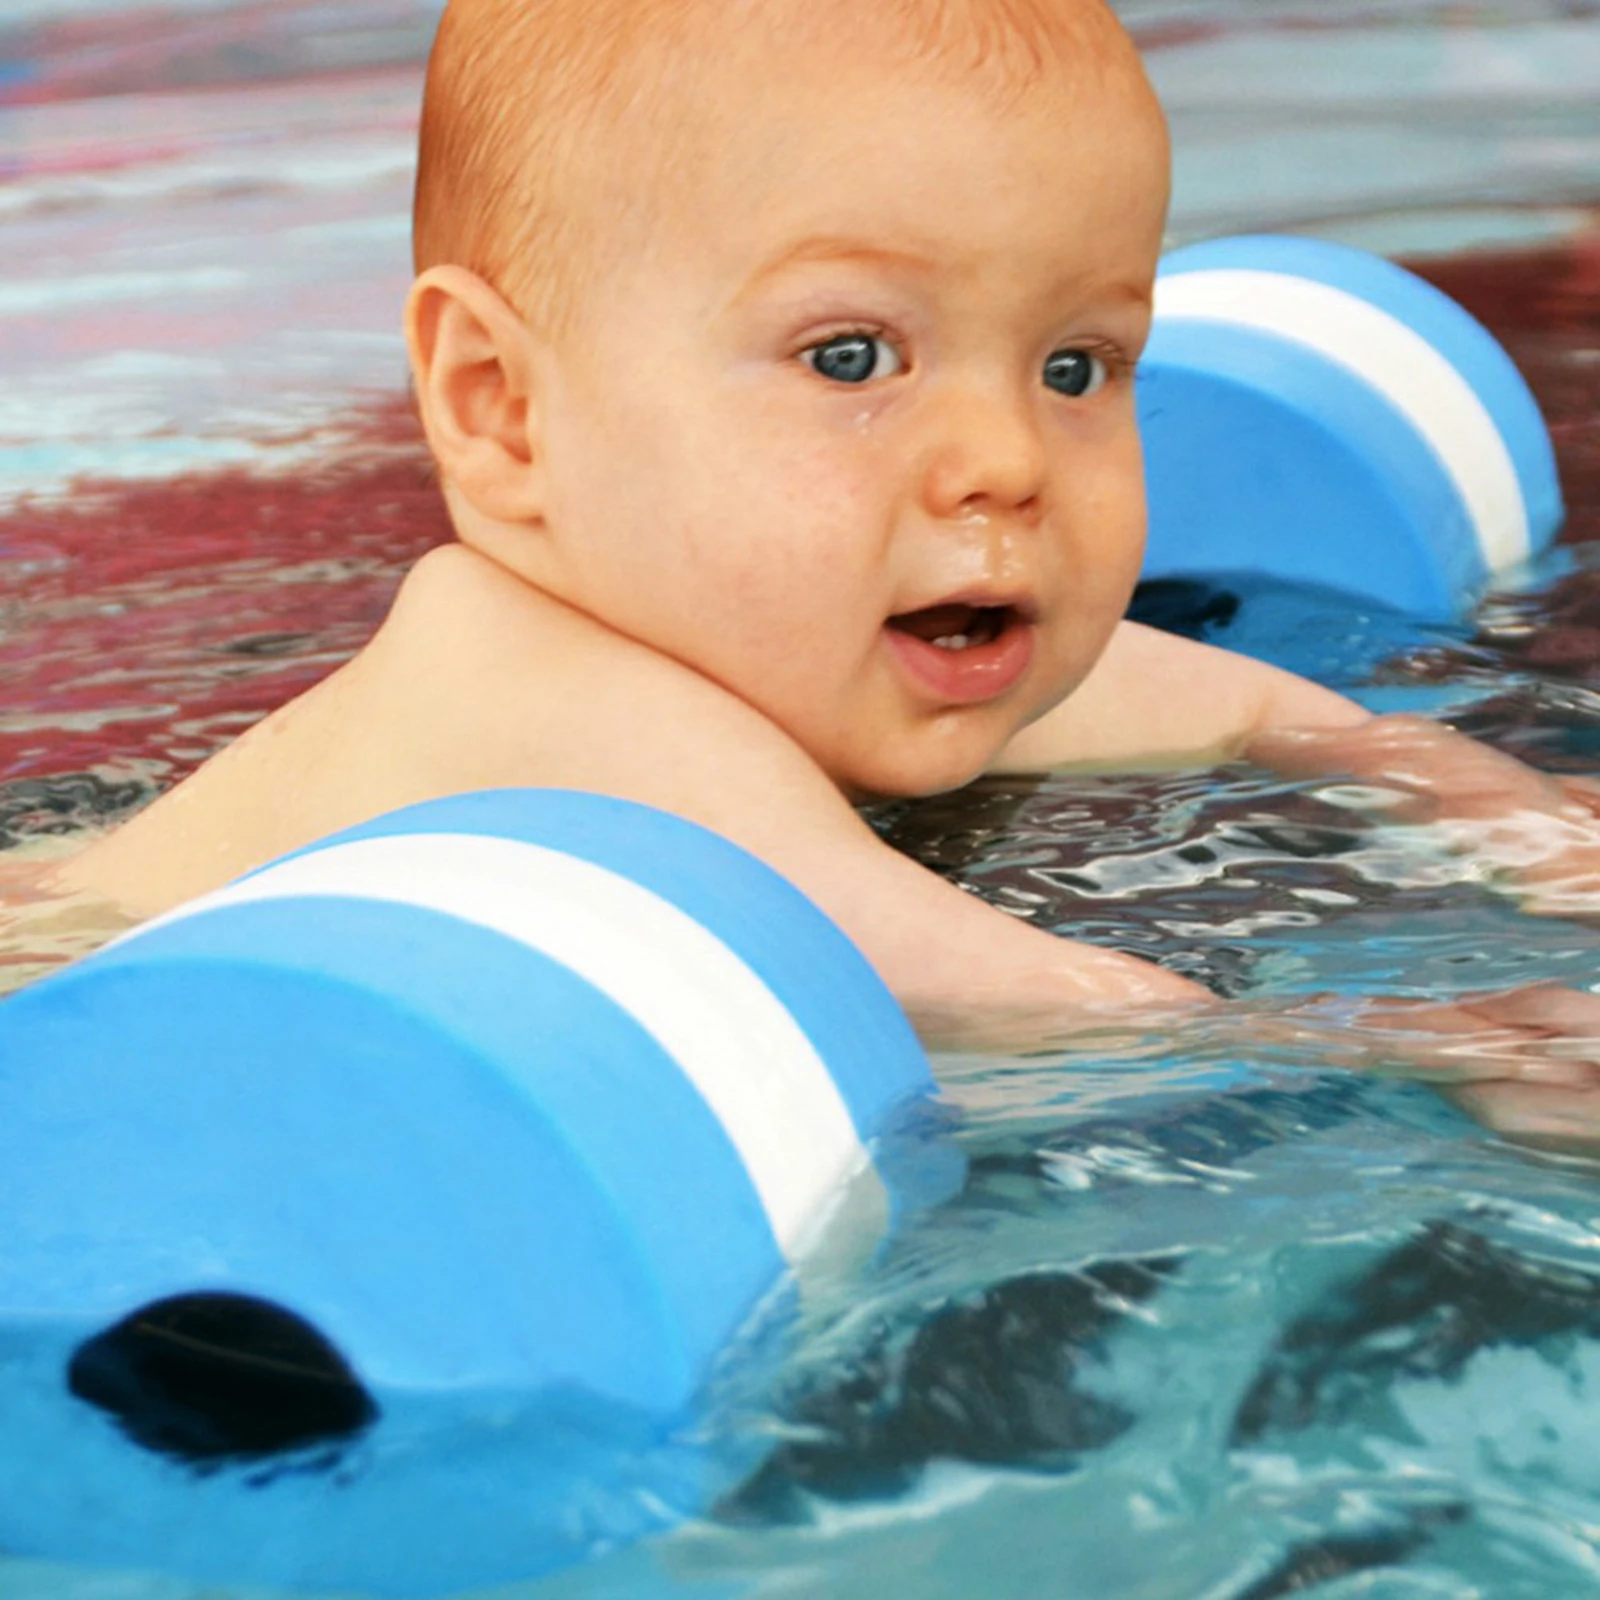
(1551, 1118)
(1583, 792)
(1550, 1008)
(1444, 773)
(1542, 1034)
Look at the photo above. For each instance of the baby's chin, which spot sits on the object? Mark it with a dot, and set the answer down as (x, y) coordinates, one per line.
(873, 782)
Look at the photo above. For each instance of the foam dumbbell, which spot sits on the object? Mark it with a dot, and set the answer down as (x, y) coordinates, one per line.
(1318, 414)
(370, 1221)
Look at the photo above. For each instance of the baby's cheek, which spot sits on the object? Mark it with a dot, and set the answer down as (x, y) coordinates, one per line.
(1091, 629)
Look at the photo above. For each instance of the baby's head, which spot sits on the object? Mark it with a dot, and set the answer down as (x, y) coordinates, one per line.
(794, 339)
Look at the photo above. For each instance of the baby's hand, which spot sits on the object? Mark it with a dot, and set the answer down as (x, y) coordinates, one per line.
(1536, 830)
(1525, 1062)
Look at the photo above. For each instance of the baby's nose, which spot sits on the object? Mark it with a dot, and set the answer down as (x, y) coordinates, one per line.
(987, 456)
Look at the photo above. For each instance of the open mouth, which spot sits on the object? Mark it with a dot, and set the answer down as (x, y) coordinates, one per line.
(955, 627)
(962, 654)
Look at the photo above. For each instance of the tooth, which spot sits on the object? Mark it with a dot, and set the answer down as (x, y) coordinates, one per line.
(953, 641)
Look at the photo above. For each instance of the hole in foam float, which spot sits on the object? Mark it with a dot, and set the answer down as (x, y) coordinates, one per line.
(209, 1378)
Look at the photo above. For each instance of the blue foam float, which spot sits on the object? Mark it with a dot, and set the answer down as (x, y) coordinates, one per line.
(376, 1221)
(1317, 414)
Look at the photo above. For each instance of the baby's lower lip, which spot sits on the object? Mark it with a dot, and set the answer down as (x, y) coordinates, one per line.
(971, 674)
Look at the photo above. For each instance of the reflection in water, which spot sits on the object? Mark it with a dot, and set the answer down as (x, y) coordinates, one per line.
(40, 929)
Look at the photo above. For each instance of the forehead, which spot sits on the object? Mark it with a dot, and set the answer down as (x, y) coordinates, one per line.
(798, 137)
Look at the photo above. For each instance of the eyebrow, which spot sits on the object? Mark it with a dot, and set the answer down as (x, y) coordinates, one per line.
(828, 249)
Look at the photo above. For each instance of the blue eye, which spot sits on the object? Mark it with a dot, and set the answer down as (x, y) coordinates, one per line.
(853, 358)
(1074, 373)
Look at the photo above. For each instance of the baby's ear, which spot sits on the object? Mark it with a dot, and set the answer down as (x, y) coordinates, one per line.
(472, 363)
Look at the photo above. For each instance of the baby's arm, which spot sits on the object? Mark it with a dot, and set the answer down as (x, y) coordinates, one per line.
(1156, 698)
(1538, 834)
(1161, 699)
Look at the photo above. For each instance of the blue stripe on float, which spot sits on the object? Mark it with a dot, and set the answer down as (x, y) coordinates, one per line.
(1449, 327)
(517, 1096)
(1278, 461)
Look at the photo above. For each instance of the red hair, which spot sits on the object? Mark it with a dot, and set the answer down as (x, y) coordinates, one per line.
(544, 120)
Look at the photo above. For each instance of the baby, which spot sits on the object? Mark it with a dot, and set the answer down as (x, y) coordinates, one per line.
(777, 357)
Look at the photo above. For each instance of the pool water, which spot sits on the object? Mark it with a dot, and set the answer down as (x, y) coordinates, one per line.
(1202, 1323)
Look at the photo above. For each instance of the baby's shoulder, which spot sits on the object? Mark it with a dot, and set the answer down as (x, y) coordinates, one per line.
(470, 646)
(456, 604)
(476, 680)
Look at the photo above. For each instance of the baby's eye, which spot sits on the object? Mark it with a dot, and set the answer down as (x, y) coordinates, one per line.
(1074, 373)
(853, 358)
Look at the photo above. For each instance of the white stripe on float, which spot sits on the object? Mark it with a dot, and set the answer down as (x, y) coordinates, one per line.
(1391, 357)
(731, 1036)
